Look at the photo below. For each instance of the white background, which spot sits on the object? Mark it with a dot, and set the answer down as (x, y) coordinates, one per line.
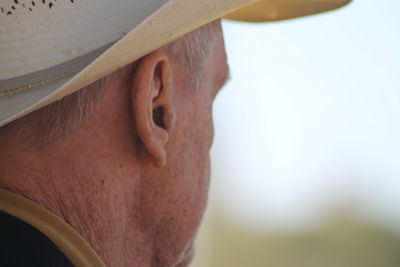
(311, 118)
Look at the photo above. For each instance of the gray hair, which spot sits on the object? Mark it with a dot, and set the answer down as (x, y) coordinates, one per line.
(56, 119)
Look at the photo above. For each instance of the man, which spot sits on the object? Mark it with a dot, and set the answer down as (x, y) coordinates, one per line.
(114, 173)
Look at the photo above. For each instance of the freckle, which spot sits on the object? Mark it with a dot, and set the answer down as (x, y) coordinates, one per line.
(102, 181)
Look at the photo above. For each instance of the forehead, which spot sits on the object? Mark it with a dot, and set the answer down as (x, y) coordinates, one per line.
(218, 59)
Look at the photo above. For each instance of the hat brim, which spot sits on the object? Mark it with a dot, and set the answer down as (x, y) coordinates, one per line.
(177, 18)
(276, 10)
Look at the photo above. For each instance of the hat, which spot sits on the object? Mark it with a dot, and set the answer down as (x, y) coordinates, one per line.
(52, 48)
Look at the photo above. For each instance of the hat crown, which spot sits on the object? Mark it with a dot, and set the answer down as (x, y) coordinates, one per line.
(40, 34)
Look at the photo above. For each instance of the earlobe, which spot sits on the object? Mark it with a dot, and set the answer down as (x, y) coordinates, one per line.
(152, 105)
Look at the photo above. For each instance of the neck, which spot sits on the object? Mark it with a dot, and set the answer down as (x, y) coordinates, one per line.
(80, 189)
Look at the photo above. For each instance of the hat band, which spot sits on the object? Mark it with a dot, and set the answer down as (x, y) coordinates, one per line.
(53, 73)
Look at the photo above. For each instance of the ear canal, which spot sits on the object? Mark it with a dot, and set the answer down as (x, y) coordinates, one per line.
(158, 117)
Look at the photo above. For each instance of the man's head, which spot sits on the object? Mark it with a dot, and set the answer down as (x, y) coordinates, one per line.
(126, 160)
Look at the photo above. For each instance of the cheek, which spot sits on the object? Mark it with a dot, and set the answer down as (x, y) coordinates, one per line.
(206, 129)
(187, 200)
(211, 129)
(188, 171)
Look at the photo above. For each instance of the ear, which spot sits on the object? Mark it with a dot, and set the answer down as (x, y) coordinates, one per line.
(152, 104)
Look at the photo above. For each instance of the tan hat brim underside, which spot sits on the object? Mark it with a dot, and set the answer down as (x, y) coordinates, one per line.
(275, 10)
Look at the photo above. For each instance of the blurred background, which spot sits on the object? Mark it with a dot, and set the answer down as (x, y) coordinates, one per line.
(306, 158)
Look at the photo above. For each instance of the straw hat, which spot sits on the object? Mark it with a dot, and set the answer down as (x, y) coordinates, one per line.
(50, 49)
